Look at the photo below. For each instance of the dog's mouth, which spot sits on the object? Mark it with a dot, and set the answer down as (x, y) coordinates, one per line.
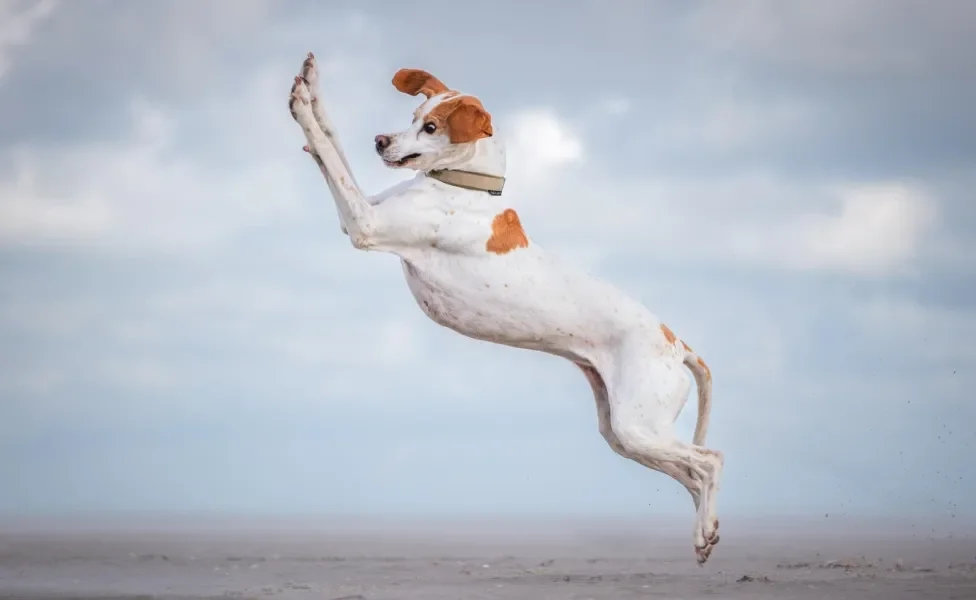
(403, 161)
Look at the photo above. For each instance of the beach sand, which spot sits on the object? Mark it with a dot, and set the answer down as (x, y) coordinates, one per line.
(490, 561)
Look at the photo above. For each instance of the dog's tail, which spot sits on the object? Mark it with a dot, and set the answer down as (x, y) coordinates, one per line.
(703, 381)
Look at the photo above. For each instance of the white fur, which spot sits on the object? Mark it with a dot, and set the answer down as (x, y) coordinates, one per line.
(437, 152)
(523, 298)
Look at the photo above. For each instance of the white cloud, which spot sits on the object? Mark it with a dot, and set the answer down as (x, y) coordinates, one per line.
(615, 106)
(833, 35)
(269, 312)
(17, 23)
(142, 193)
(860, 228)
(539, 143)
(714, 119)
(29, 214)
(188, 179)
(148, 192)
(878, 228)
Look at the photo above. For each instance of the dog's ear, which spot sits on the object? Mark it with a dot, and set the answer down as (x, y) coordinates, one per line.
(416, 81)
(469, 121)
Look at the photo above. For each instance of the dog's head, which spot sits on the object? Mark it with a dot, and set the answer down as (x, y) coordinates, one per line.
(444, 128)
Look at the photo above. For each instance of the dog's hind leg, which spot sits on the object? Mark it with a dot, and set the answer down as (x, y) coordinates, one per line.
(645, 388)
(686, 478)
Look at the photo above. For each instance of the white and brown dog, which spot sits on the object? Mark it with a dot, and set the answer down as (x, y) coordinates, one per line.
(472, 268)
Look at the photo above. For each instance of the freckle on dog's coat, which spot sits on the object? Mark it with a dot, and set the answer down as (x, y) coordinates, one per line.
(472, 268)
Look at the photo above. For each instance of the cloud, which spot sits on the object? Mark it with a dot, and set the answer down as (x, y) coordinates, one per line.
(175, 295)
(539, 143)
(878, 229)
(870, 36)
(189, 178)
(616, 106)
(866, 228)
(719, 118)
(141, 193)
(18, 20)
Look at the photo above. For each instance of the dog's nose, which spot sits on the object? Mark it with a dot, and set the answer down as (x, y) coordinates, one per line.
(382, 141)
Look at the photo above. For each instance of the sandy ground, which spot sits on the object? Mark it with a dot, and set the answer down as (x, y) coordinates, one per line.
(564, 562)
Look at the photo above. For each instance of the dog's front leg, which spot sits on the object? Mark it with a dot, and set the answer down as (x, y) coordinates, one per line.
(357, 215)
(311, 75)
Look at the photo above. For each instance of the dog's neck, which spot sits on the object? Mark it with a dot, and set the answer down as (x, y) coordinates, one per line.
(486, 156)
(481, 167)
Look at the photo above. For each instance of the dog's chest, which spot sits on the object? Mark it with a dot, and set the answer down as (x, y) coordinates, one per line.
(490, 299)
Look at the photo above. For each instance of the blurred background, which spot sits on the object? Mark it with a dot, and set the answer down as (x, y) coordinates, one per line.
(184, 329)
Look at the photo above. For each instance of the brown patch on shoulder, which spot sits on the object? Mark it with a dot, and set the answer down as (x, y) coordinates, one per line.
(506, 233)
(668, 334)
(701, 363)
(687, 347)
(463, 117)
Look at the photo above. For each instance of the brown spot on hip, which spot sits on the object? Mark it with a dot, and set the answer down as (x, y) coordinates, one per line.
(506, 233)
(668, 334)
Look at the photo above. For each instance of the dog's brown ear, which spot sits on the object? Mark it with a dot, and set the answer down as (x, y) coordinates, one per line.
(469, 121)
(416, 81)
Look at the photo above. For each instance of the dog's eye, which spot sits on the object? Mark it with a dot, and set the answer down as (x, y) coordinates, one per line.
(430, 127)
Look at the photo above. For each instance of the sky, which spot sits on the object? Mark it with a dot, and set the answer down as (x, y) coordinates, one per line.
(184, 328)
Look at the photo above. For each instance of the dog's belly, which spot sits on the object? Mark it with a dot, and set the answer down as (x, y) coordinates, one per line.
(522, 301)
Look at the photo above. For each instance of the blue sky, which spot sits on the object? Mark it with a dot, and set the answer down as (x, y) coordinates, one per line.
(184, 328)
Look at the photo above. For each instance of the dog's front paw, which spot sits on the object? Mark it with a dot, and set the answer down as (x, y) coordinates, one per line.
(299, 98)
(310, 73)
(310, 76)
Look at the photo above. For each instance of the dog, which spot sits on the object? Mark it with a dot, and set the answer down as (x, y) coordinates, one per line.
(471, 267)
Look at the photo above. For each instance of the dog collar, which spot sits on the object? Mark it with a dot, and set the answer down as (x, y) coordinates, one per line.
(470, 180)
